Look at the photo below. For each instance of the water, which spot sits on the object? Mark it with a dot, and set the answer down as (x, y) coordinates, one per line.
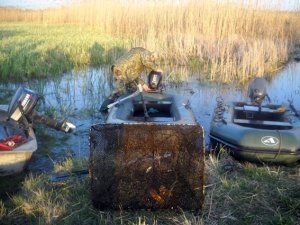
(78, 96)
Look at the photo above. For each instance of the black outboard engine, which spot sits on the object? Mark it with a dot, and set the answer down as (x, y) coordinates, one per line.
(154, 79)
(258, 91)
(21, 110)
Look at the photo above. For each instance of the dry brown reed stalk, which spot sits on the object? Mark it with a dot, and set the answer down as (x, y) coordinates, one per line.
(228, 42)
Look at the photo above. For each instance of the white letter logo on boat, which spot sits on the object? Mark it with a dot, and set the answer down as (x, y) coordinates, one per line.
(269, 140)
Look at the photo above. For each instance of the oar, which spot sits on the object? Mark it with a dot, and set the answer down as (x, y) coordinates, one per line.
(65, 176)
(123, 99)
(140, 89)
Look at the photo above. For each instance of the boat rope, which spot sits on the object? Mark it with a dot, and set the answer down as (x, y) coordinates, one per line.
(279, 147)
(219, 110)
(293, 108)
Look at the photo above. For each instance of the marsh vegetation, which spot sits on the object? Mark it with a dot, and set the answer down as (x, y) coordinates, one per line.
(223, 41)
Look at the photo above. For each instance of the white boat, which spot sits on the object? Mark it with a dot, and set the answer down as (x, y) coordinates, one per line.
(14, 160)
(17, 138)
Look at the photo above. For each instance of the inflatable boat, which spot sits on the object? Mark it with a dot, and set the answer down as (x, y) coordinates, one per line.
(256, 132)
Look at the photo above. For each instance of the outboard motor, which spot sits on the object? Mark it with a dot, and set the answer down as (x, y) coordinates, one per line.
(154, 79)
(22, 104)
(258, 91)
(21, 110)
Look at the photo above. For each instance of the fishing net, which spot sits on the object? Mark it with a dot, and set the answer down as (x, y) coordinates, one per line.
(152, 166)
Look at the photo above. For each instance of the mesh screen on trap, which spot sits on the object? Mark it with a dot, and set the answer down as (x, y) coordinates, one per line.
(147, 166)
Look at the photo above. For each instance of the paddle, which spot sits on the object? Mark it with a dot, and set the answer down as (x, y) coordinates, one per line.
(67, 175)
(136, 93)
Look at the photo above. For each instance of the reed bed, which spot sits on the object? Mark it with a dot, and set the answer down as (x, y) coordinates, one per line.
(224, 41)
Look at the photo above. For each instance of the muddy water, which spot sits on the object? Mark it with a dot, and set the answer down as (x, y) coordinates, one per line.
(78, 96)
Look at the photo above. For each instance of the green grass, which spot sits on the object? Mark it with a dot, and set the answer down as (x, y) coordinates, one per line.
(251, 194)
(29, 50)
(235, 194)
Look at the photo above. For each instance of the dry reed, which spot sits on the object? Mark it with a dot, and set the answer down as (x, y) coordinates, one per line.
(227, 42)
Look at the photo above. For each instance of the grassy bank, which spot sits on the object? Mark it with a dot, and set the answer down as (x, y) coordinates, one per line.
(224, 41)
(235, 194)
(29, 50)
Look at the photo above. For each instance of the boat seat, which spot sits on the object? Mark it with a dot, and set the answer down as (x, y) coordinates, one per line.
(265, 116)
(265, 123)
(250, 108)
(158, 103)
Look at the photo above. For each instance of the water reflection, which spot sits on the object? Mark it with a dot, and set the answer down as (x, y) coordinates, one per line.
(78, 96)
(286, 86)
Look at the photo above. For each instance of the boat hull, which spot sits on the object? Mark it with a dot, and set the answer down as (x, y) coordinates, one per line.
(14, 161)
(11, 163)
(257, 155)
(262, 145)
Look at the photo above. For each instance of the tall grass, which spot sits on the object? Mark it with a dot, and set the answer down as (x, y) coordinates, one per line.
(227, 41)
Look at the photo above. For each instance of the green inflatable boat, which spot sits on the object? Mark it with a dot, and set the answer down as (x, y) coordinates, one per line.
(257, 133)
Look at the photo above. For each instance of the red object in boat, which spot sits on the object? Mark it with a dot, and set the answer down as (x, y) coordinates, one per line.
(11, 142)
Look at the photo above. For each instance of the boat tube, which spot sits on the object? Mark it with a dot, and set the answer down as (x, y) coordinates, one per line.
(258, 133)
